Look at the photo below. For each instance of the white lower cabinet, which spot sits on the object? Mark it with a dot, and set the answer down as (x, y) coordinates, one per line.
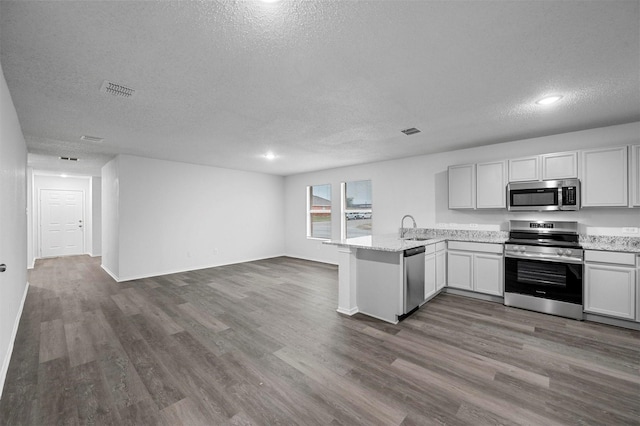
(610, 284)
(638, 288)
(460, 269)
(434, 268)
(441, 266)
(476, 267)
(488, 271)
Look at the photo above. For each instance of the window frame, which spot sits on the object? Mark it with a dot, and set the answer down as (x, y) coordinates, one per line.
(344, 210)
(310, 211)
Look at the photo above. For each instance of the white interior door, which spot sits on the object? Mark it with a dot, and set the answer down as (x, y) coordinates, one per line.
(61, 222)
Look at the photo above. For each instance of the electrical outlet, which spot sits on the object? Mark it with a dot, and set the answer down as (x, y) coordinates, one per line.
(473, 225)
(630, 230)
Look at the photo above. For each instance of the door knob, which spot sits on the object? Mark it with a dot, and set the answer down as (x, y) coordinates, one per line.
(3, 267)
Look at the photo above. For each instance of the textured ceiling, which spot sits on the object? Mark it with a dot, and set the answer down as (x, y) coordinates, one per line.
(322, 84)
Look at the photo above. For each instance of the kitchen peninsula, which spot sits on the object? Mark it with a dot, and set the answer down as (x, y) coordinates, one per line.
(372, 270)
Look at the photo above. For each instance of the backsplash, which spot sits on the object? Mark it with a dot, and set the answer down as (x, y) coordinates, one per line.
(591, 242)
(459, 234)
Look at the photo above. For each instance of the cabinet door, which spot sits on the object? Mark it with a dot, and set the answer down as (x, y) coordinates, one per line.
(524, 169)
(429, 275)
(491, 185)
(441, 270)
(609, 290)
(638, 289)
(604, 177)
(462, 186)
(460, 270)
(560, 165)
(488, 270)
(634, 176)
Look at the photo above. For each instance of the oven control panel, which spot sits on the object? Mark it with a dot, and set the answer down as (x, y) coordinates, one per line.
(557, 254)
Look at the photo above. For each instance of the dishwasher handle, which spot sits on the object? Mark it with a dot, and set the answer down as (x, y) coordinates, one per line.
(414, 251)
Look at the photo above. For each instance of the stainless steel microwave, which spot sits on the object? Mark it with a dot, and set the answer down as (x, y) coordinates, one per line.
(546, 195)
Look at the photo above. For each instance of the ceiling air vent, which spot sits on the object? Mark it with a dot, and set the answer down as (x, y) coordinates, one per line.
(411, 131)
(69, 158)
(90, 138)
(116, 89)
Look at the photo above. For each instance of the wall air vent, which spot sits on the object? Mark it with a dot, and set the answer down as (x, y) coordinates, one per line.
(69, 158)
(90, 138)
(411, 131)
(116, 89)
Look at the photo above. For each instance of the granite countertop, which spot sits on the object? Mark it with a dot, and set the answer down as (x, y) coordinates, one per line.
(607, 243)
(392, 242)
(385, 242)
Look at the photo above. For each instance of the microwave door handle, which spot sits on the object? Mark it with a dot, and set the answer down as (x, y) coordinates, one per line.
(560, 200)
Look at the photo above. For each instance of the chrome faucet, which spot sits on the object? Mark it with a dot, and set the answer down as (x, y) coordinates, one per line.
(402, 224)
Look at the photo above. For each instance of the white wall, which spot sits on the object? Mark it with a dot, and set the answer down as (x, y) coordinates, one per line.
(96, 216)
(43, 181)
(31, 237)
(418, 186)
(177, 217)
(13, 225)
(110, 204)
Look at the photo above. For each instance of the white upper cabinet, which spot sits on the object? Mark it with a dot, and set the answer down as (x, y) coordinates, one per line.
(491, 185)
(634, 176)
(462, 186)
(604, 177)
(524, 169)
(560, 165)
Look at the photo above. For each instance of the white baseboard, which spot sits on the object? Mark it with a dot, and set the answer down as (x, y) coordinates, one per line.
(349, 312)
(14, 333)
(111, 274)
(187, 269)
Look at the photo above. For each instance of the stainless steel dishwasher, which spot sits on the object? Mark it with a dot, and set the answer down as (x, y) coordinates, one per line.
(413, 280)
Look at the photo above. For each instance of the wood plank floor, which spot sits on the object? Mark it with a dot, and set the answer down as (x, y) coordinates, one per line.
(261, 343)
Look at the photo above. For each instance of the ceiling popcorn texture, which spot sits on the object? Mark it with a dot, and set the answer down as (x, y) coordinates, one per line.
(321, 84)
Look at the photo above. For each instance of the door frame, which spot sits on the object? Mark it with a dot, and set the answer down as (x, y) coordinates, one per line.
(40, 179)
(39, 218)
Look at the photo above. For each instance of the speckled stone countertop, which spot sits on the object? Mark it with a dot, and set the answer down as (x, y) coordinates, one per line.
(608, 243)
(393, 243)
(385, 242)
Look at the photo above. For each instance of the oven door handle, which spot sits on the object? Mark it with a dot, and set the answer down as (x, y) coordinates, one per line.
(545, 259)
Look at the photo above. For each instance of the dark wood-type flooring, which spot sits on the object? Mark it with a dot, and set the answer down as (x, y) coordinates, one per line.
(261, 343)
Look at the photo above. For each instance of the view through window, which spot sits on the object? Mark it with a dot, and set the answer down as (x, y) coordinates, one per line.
(356, 209)
(319, 211)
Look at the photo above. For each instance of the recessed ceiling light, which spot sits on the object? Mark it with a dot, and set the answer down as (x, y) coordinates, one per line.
(548, 100)
(270, 156)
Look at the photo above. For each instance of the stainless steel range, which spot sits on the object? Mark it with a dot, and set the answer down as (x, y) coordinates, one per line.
(543, 268)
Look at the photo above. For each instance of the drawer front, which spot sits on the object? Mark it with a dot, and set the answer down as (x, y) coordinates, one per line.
(477, 247)
(610, 257)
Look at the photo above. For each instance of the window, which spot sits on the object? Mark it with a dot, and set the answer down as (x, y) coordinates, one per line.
(356, 209)
(319, 211)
